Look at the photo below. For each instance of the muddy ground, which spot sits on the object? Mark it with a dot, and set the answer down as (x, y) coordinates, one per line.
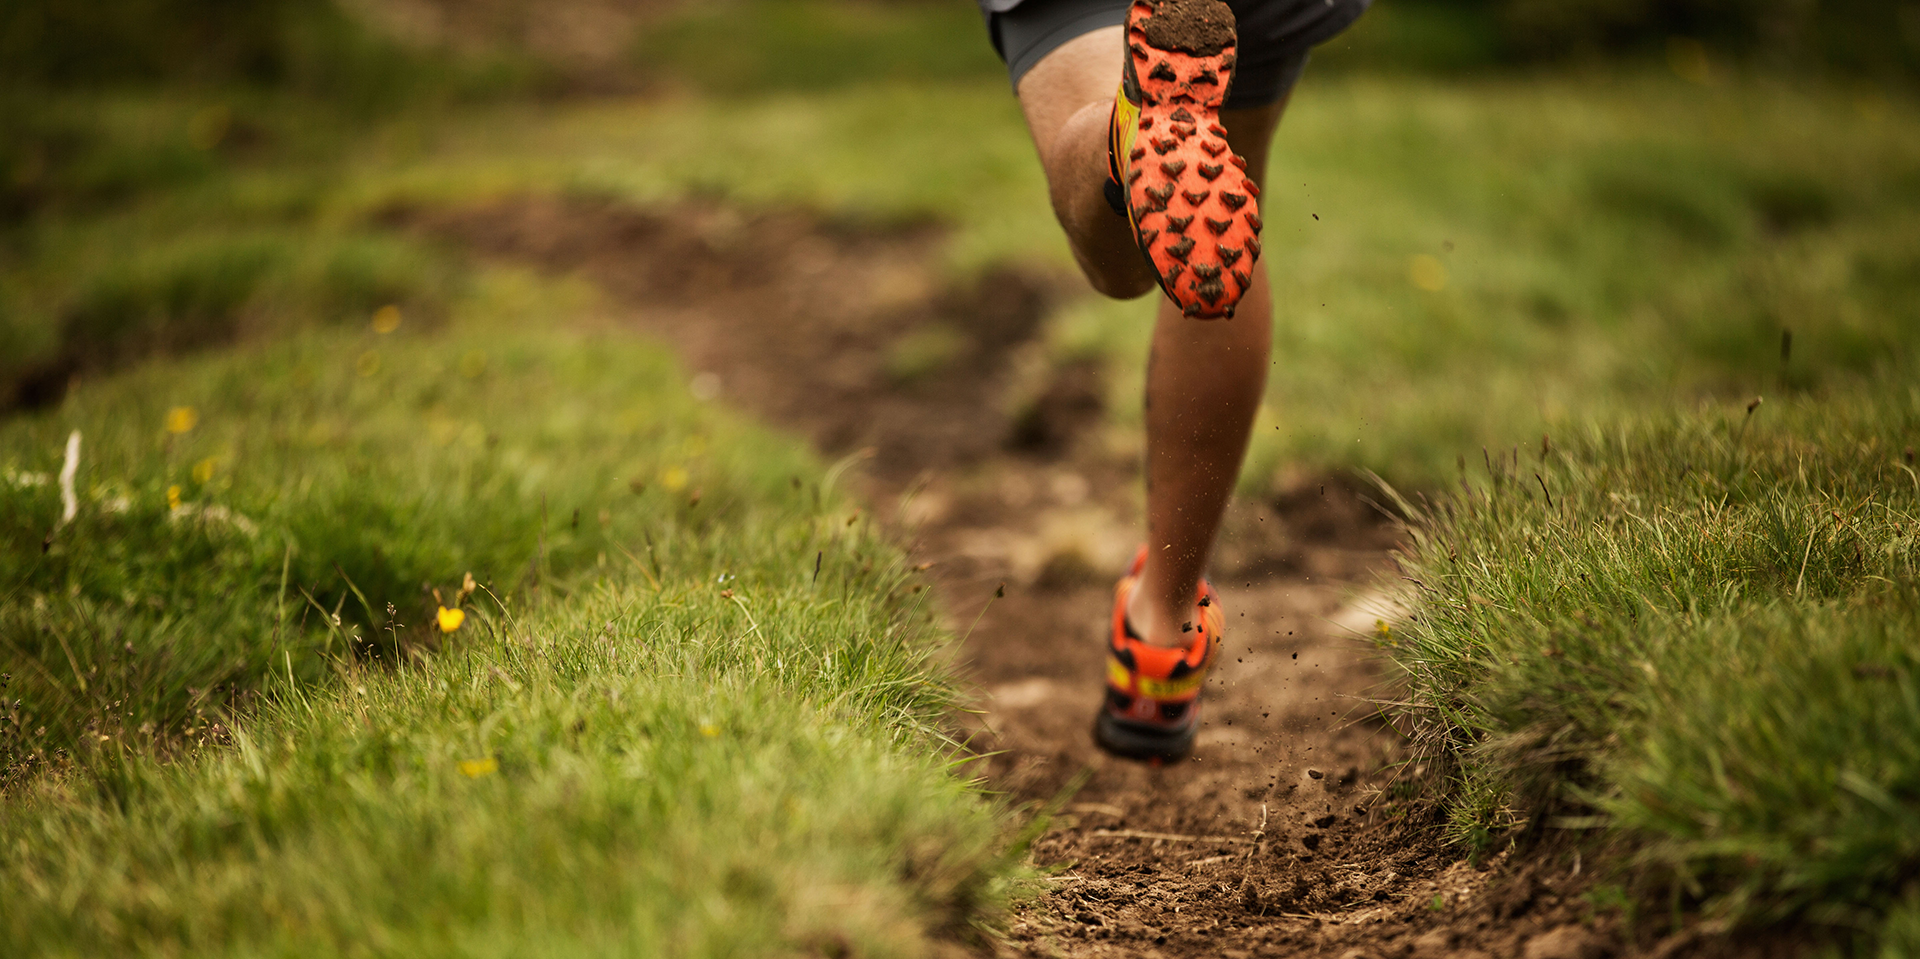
(1286, 832)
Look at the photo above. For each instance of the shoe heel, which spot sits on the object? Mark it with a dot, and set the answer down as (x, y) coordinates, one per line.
(1129, 741)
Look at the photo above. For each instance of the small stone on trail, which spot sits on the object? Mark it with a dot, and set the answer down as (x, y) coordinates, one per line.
(1315, 774)
(1566, 942)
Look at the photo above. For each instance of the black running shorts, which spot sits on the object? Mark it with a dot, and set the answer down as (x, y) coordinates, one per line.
(1275, 36)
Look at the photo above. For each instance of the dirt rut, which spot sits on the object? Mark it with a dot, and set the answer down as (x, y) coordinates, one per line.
(1282, 834)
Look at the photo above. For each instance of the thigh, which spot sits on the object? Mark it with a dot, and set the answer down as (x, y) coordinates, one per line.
(1029, 31)
(1086, 70)
(1082, 71)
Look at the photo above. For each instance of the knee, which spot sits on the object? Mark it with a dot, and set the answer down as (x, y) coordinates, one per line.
(1118, 284)
(1114, 269)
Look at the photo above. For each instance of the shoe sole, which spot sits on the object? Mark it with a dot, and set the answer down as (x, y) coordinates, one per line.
(1194, 211)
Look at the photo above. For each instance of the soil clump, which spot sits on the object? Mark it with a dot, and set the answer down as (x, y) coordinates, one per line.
(1200, 27)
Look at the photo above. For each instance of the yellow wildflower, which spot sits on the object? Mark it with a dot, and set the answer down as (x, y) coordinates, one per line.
(475, 768)
(386, 319)
(450, 619)
(709, 730)
(203, 470)
(674, 478)
(181, 419)
(1427, 272)
(173, 497)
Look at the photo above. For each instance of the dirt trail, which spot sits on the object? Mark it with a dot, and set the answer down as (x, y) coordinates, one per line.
(1277, 837)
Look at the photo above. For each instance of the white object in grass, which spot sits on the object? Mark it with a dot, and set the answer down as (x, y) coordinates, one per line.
(69, 503)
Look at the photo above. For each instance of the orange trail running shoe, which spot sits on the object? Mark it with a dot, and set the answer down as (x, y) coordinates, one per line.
(1152, 710)
(1194, 211)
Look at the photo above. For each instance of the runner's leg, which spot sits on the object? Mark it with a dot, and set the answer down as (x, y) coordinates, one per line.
(1205, 378)
(1068, 100)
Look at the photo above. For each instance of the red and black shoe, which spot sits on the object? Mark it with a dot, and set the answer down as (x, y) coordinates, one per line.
(1152, 709)
(1194, 211)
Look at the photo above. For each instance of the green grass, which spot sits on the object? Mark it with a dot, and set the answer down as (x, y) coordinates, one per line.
(396, 463)
(1608, 244)
(317, 48)
(1705, 640)
(1688, 647)
(757, 46)
(696, 704)
(511, 801)
(691, 708)
(1608, 241)
(162, 223)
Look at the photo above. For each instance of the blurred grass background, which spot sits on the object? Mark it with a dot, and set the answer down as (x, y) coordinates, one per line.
(1611, 223)
(1644, 226)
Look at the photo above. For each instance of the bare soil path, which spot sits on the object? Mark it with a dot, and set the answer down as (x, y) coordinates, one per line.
(1280, 835)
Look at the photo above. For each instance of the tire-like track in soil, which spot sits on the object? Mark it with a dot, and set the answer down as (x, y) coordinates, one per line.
(1278, 836)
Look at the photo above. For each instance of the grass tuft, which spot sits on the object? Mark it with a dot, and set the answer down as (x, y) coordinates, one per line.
(1703, 639)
